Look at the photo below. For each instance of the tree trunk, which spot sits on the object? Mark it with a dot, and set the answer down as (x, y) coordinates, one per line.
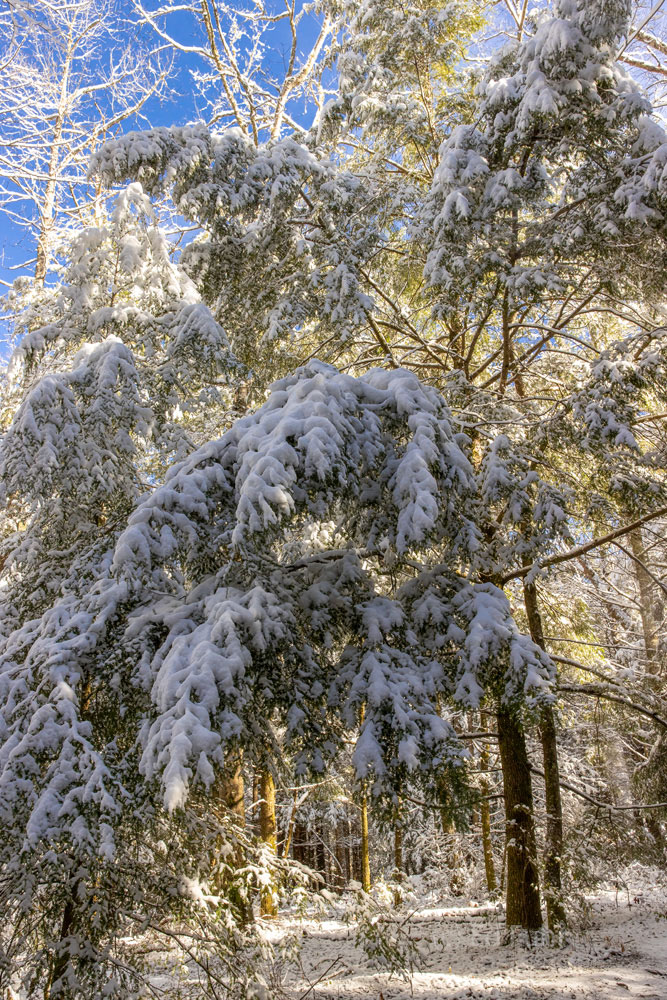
(47, 209)
(398, 846)
(365, 855)
(485, 821)
(62, 954)
(340, 854)
(454, 861)
(61, 957)
(229, 792)
(553, 847)
(321, 853)
(298, 843)
(398, 875)
(650, 608)
(523, 891)
(232, 791)
(268, 833)
(289, 833)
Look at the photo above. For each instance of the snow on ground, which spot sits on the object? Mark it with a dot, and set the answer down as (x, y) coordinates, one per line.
(621, 954)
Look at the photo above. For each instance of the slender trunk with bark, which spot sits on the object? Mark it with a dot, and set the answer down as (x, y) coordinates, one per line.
(365, 853)
(398, 846)
(232, 791)
(485, 822)
(61, 958)
(63, 952)
(229, 796)
(453, 858)
(398, 860)
(650, 609)
(268, 832)
(47, 209)
(340, 855)
(553, 847)
(289, 833)
(523, 890)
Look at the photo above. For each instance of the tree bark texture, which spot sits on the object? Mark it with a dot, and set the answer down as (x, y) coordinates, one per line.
(650, 603)
(398, 845)
(485, 822)
(523, 890)
(553, 847)
(365, 855)
(268, 832)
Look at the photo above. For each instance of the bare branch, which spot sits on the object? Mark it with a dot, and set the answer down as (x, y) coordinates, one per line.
(581, 550)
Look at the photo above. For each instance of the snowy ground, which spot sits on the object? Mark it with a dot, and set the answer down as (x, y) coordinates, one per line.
(621, 954)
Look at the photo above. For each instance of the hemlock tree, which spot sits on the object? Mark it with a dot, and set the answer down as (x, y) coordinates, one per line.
(530, 205)
(102, 399)
(336, 560)
(106, 395)
(283, 229)
(242, 592)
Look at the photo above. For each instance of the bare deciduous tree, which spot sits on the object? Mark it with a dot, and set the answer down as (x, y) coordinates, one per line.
(255, 67)
(68, 80)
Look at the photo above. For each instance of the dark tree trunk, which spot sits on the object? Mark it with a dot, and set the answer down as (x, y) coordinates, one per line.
(485, 821)
(298, 843)
(553, 847)
(61, 957)
(340, 853)
(523, 890)
(350, 875)
(454, 861)
(398, 846)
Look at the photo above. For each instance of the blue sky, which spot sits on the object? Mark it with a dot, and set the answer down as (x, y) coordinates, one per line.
(180, 105)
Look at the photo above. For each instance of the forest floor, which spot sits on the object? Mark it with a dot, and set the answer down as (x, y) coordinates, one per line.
(620, 951)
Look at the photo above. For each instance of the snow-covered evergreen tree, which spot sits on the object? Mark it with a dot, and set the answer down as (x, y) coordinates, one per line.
(104, 397)
(180, 586)
(530, 204)
(245, 590)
